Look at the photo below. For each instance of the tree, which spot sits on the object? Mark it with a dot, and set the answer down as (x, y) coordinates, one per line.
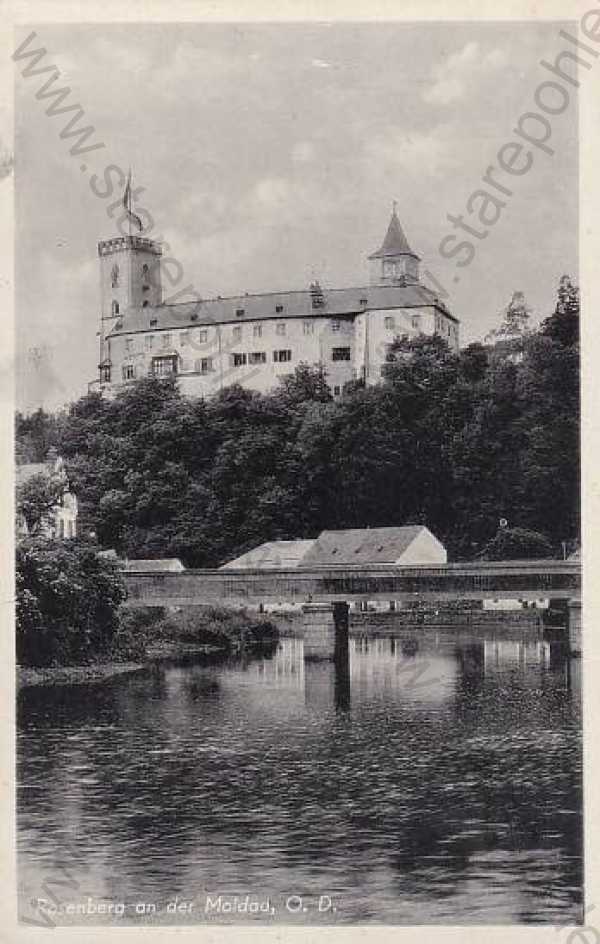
(307, 383)
(515, 319)
(36, 501)
(67, 602)
(517, 544)
(563, 325)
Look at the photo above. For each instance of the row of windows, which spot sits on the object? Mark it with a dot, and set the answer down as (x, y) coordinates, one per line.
(201, 335)
(162, 366)
(443, 326)
(390, 322)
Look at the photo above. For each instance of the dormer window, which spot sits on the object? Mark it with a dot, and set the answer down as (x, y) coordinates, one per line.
(316, 294)
(363, 302)
(278, 308)
(153, 322)
(239, 312)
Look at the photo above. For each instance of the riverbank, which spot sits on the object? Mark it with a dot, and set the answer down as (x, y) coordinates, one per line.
(28, 676)
(147, 636)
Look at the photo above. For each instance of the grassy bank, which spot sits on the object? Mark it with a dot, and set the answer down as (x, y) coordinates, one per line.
(146, 634)
(73, 674)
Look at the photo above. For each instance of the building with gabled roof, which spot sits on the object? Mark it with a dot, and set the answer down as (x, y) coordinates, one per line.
(411, 544)
(256, 339)
(272, 555)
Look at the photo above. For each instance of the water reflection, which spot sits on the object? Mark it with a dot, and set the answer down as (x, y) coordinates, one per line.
(417, 779)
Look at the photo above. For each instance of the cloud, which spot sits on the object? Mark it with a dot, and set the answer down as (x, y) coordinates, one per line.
(303, 152)
(453, 77)
(320, 64)
(410, 154)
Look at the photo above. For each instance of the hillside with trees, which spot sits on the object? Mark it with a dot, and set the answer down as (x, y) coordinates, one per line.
(454, 441)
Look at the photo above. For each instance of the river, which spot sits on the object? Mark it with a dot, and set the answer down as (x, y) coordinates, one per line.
(437, 781)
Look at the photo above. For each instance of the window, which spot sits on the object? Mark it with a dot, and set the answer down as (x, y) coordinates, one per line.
(336, 391)
(166, 340)
(184, 338)
(145, 288)
(340, 354)
(128, 372)
(257, 331)
(280, 329)
(239, 312)
(153, 322)
(163, 366)
(390, 322)
(145, 271)
(149, 342)
(204, 365)
(258, 357)
(278, 308)
(364, 302)
(308, 327)
(105, 373)
(202, 336)
(238, 360)
(335, 326)
(416, 321)
(282, 357)
(129, 345)
(115, 308)
(145, 303)
(237, 333)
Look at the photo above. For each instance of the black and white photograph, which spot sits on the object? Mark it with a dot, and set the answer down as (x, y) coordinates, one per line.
(297, 511)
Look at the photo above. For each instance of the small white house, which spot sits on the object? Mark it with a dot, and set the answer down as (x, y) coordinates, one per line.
(62, 522)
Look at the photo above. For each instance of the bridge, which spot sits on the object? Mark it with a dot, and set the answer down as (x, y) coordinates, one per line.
(323, 593)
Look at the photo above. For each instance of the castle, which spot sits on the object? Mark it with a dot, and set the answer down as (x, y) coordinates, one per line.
(254, 339)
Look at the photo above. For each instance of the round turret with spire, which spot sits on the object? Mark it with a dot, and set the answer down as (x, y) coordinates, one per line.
(395, 263)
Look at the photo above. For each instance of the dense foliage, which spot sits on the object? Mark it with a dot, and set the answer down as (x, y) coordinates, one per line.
(68, 600)
(453, 441)
(36, 500)
(153, 632)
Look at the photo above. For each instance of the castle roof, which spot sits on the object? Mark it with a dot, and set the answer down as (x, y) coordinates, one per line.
(235, 309)
(395, 242)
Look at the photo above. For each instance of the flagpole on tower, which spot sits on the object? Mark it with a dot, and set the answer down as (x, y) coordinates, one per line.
(131, 216)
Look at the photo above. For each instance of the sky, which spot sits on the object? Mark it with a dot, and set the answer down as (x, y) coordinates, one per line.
(270, 155)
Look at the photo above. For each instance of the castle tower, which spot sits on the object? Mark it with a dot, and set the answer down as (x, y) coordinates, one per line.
(129, 278)
(129, 274)
(395, 263)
